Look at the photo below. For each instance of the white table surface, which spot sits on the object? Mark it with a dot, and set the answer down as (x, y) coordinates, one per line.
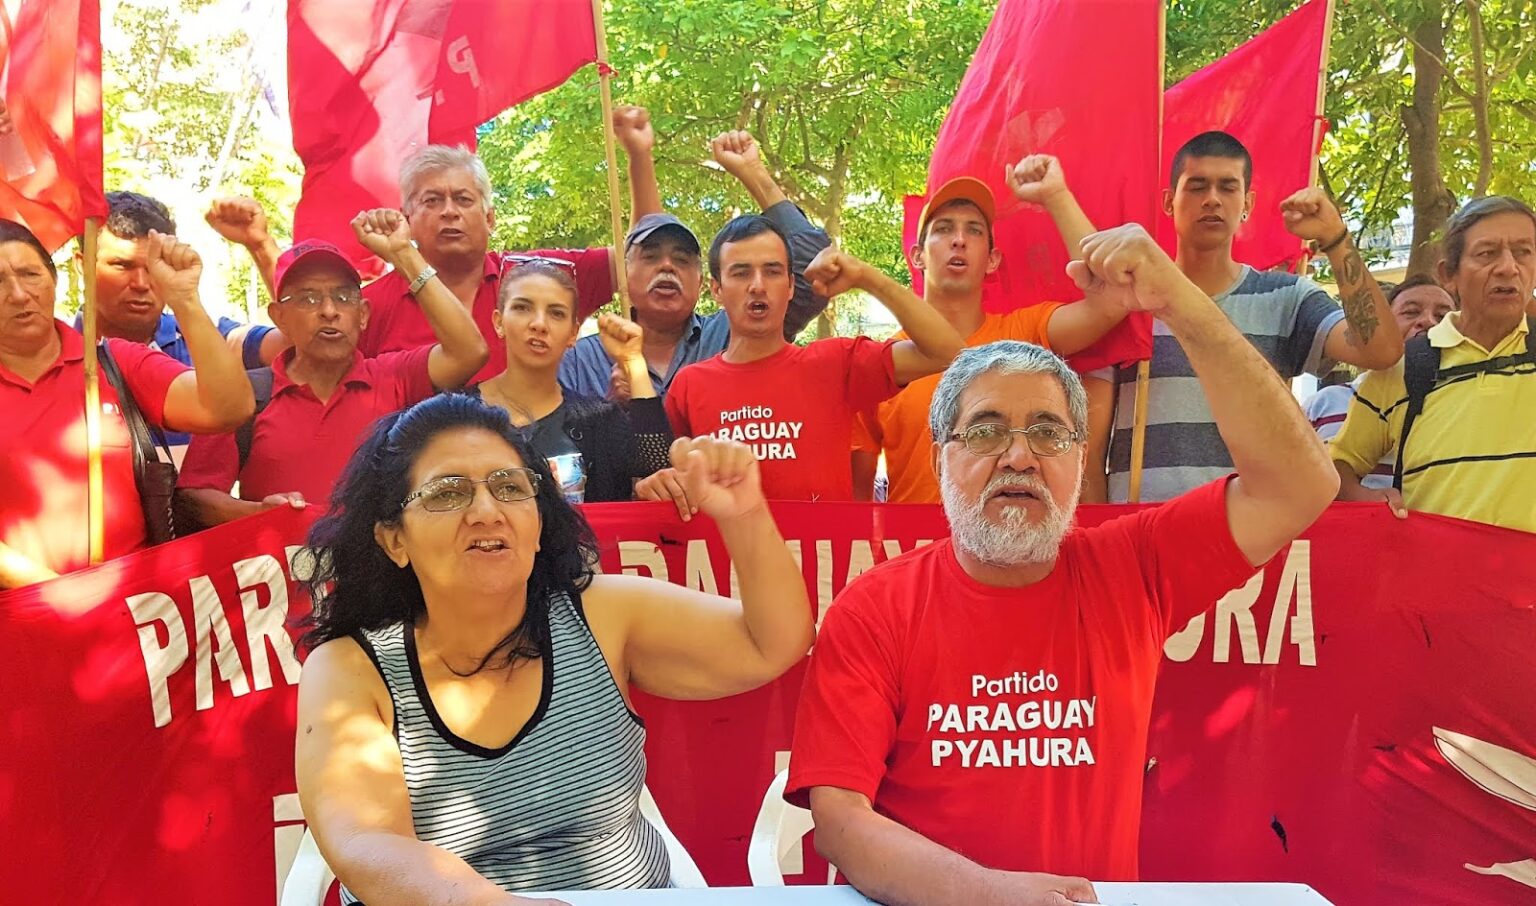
(1114, 894)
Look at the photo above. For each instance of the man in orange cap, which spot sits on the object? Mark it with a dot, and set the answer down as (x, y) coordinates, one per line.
(955, 252)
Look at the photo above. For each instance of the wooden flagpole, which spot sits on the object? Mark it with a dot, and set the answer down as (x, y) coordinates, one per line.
(1144, 367)
(95, 496)
(1317, 115)
(615, 204)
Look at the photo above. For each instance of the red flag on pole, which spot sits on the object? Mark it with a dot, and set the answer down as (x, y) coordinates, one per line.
(369, 83)
(498, 53)
(1267, 94)
(1030, 89)
(50, 75)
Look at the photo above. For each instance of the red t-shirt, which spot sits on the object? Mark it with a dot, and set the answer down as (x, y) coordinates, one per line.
(44, 509)
(1010, 725)
(302, 444)
(395, 321)
(795, 409)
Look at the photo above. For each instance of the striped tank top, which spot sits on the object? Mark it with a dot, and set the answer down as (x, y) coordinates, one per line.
(557, 808)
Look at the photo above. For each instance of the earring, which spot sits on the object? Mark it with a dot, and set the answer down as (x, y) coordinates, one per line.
(1245, 216)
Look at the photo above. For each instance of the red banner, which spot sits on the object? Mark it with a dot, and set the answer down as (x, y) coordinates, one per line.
(1358, 718)
(1266, 94)
(50, 77)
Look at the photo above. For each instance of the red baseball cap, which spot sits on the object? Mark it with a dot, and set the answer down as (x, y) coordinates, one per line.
(961, 188)
(310, 248)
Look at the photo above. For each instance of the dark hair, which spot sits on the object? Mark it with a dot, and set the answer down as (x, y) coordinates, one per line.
(1212, 144)
(131, 216)
(517, 270)
(1473, 211)
(355, 586)
(740, 229)
(1414, 282)
(11, 231)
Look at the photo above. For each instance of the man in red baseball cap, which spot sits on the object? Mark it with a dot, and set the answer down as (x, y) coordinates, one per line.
(319, 397)
(955, 252)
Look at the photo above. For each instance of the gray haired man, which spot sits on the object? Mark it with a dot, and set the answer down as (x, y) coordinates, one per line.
(974, 722)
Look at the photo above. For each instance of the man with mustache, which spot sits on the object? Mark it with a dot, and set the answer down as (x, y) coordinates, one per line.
(324, 395)
(1289, 319)
(1459, 411)
(973, 724)
(1418, 304)
(665, 274)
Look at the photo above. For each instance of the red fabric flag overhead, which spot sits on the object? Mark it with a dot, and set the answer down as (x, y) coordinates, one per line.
(497, 53)
(1079, 79)
(1266, 94)
(50, 165)
(369, 83)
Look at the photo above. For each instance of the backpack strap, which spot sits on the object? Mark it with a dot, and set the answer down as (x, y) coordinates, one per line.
(138, 427)
(1421, 361)
(261, 384)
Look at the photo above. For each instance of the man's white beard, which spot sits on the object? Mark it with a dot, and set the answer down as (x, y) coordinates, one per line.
(1015, 541)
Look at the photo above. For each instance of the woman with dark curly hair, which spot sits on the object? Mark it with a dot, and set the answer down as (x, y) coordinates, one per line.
(464, 723)
(596, 449)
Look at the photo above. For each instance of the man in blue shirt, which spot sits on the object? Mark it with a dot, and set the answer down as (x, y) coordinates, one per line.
(665, 274)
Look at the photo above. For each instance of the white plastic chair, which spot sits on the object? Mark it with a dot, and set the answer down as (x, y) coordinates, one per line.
(776, 837)
(310, 879)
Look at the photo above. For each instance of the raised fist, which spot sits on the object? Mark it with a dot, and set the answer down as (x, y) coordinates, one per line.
(1036, 179)
(382, 231)
(1311, 216)
(1128, 263)
(834, 271)
(238, 219)
(632, 129)
(174, 269)
(736, 152)
(622, 338)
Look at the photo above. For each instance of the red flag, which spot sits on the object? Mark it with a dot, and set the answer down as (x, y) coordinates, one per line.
(1033, 88)
(1266, 93)
(50, 164)
(497, 53)
(369, 83)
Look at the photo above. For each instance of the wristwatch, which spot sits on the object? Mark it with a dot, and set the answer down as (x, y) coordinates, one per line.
(427, 273)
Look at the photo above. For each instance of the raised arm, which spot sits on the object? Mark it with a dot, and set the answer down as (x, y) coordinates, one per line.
(685, 644)
(933, 342)
(632, 129)
(352, 789)
(215, 396)
(1284, 476)
(737, 153)
(461, 350)
(242, 221)
(892, 864)
(1369, 337)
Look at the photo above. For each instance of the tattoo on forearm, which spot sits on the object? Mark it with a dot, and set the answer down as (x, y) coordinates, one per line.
(1359, 306)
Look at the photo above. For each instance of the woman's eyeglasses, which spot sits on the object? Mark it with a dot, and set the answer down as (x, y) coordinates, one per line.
(512, 262)
(455, 492)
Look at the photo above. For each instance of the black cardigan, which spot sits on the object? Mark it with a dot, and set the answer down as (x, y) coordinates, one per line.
(617, 448)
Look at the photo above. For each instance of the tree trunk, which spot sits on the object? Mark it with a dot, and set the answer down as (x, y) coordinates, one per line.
(1479, 99)
(1432, 201)
(837, 194)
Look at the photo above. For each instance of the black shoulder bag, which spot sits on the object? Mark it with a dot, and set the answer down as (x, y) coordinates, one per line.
(154, 477)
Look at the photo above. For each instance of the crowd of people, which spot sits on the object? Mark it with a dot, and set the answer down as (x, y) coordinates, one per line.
(465, 711)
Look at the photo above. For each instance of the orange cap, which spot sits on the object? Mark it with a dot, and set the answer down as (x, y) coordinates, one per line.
(961, 188)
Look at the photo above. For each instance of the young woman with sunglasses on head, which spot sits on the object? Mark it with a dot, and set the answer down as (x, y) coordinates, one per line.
(596, 450)
(464, 727)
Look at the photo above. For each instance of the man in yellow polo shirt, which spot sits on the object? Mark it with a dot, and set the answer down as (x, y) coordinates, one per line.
(955, 252)
(1470, 451)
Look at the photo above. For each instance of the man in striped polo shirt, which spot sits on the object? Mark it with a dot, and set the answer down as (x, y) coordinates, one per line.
(1471, 450)
(1295, 324)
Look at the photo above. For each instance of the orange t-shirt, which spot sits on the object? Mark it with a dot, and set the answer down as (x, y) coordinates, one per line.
(900, 425)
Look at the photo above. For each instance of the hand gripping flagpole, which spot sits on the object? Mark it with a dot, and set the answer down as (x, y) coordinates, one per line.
(615, 205)
(1144, 367)
(96, 498)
